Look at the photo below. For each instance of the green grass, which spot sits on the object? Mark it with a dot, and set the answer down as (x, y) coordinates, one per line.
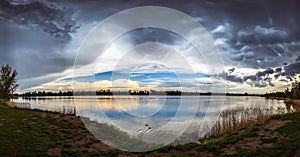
(26, 132)
(291, 132)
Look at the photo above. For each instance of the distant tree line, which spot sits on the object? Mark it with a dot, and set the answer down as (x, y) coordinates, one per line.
(230, 94)
(44, 93)
(131, 92)
(100, 92)
(294, 93)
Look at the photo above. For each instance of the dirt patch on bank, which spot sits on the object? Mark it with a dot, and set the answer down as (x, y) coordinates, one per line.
(274, 124)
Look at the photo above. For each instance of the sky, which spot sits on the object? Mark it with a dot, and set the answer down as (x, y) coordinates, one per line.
(258, 42)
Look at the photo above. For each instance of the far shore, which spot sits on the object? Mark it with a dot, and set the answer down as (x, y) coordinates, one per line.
(131, 93)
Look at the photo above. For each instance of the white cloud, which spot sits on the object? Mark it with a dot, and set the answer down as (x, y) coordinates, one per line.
(116, 85)
(219, 29)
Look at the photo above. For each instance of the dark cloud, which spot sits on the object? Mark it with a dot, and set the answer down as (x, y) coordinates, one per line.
(283, 80)
(150, 34)
(278, 70)
(238, 58)
(252, 34)
(260, 75)
(231, 70)
(260, 79)
(289, 70)
(231, 78)
(50, 17)
(264, 39)
(250, 77)
(292, 69)
(261, 35)
(257, 39)
(260, 84)
(262, 55)
(277, 75)
(33, 54)
(265, 72)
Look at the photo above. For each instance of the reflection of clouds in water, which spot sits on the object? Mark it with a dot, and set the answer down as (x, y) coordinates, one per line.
(129, 103)
(112, 104)
(141, 107)
(245, 102)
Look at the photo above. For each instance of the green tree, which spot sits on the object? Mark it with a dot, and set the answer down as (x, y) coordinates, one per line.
(287, 92)
(296, 91)
(8, 82)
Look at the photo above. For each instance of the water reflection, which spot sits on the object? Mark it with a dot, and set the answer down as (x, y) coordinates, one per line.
(159, 119)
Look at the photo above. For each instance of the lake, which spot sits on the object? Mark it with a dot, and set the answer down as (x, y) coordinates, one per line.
(159, 119)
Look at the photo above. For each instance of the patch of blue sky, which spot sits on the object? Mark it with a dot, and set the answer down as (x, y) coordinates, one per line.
(137, 76)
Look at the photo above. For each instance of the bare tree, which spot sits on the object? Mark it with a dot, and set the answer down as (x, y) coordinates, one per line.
(8, 82)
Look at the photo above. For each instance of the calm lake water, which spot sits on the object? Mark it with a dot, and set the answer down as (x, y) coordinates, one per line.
(160, 119)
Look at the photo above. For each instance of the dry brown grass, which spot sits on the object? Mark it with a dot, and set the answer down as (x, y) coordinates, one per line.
(230, 120)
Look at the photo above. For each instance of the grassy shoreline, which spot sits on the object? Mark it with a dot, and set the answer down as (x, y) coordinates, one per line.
(26, 132)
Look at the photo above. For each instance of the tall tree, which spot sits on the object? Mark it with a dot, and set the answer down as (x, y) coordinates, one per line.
(8, 82)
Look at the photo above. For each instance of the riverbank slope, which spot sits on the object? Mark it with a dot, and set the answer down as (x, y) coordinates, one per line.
(26, 132)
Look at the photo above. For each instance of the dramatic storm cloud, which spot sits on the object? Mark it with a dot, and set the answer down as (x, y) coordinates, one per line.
(259, 42)
(50, 17)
